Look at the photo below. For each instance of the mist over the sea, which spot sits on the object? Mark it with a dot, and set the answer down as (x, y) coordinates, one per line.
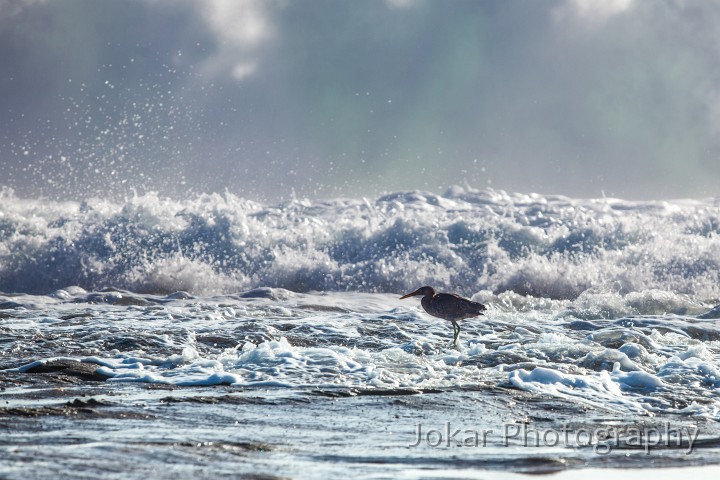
(270, 99)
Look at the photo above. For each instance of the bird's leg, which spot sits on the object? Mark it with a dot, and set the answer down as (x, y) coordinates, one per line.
(456, 331)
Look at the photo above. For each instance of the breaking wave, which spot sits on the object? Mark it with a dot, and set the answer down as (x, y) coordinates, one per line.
(468, 241)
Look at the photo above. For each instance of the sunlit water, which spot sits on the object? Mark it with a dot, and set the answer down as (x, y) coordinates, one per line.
(601, 314)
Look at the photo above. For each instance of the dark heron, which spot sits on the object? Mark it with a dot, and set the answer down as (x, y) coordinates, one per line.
(447, 306)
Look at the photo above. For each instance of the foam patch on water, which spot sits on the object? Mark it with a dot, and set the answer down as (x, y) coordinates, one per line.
(605, 388)
(275, 338)
(278, 363)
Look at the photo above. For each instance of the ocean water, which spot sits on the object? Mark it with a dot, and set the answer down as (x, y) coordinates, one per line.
(234, 337)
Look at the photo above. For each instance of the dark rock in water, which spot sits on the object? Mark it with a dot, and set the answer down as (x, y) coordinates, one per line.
(73, 316)
(69, 368)
(712, 314)
(494, 359)
(46, 411)
(582, 325)
(89, 403)
(77, 409)
(113, 297)
(266, 292)
(179, 296)
(373, 392)
(703, 333)
(9, 305)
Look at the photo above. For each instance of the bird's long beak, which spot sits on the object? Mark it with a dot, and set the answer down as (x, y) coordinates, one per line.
(416, 292)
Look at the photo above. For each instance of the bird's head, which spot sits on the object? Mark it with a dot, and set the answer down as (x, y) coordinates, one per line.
(424, 291)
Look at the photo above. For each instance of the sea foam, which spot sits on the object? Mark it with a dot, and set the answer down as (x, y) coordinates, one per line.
(651, 255)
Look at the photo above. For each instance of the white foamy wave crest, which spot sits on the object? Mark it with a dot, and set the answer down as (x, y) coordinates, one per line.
(468, 241)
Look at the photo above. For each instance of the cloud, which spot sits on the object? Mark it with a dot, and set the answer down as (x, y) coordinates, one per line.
(240, 27)
(13, 7)
(593, 13)
(401, 3)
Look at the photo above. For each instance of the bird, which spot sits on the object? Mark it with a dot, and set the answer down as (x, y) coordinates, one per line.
(447, 306)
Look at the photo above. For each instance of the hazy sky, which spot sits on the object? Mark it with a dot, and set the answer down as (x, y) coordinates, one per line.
(349, 98)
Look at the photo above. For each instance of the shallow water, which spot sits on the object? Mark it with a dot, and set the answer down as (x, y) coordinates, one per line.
(333, 382)
(600, 346)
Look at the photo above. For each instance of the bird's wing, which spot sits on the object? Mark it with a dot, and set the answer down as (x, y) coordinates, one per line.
(448, 305)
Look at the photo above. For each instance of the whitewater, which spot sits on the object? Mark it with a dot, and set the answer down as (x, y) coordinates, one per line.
(216, 335)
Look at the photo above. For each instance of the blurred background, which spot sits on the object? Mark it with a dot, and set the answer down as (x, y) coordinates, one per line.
(324, 98)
